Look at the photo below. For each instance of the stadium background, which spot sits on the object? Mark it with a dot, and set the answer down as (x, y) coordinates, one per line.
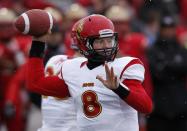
(138, 22)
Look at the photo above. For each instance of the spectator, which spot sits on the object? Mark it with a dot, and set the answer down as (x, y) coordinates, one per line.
(168, 65)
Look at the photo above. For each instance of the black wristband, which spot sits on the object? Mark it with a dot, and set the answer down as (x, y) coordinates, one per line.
(122, 91)
(37, 49)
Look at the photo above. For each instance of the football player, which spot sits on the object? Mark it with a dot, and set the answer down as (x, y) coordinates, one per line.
(59, 113)
(107, 91)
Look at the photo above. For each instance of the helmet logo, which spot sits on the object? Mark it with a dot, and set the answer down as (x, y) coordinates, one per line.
(79, 29)
(106, 33)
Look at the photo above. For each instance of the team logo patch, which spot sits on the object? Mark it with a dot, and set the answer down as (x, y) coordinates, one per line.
(79, 29)
(87, 84)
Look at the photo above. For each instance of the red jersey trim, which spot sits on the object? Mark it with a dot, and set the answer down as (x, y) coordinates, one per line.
(83, 63)
(132, 62)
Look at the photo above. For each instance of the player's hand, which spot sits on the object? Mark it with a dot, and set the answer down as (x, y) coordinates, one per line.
(111, 81)
(43, 38)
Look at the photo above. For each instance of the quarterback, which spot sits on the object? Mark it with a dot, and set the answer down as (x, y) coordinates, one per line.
(107, 91)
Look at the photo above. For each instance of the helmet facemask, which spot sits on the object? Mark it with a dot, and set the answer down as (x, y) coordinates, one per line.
(103, 54)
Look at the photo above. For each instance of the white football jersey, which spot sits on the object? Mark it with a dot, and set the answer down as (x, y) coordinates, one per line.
(58, 114)
(99, 108)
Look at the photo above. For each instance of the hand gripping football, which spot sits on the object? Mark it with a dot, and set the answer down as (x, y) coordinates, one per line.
(35, 22)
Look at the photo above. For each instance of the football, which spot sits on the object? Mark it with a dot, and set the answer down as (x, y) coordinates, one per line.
(35, 22)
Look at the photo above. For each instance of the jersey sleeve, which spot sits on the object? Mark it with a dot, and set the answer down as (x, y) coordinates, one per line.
(131, 89)
(54, 65)
(38, 83)
(133, 70)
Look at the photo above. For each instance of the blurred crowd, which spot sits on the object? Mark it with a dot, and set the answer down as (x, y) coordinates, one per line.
(155, 31)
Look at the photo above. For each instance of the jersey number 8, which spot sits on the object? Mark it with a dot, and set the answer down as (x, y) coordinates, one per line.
(92, 108)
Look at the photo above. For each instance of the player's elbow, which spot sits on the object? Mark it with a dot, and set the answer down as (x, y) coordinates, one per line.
(31, 86)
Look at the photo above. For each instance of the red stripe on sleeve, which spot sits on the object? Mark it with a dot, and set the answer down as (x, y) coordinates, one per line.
(137, 97)
(38, 83)
(134, 61)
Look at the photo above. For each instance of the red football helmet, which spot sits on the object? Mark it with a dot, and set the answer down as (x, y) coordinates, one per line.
(95, 27)
(74, 41)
